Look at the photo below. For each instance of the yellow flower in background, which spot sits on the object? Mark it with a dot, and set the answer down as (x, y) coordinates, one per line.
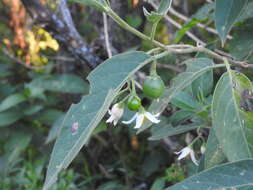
(38, 41)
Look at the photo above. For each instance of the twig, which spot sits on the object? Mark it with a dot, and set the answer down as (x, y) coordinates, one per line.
(107, 42)
(61, 58)
(200, 25)
(170, 67)
(176, 24)
(183, 50)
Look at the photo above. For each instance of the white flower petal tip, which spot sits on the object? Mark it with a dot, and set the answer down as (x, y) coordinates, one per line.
(151, 117)
(185, 152)
(140, 117)
(131, 120)
(115, 114)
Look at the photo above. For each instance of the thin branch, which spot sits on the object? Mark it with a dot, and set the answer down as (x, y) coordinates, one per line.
(176, 24)
(171, 49)
(170, 67)
(107, 42)
(200, 25)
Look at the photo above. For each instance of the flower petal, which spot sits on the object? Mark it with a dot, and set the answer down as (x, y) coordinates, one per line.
(131, 120)
(139, 121)
(193, 158)
(151, 117)
(184, 153)
(111, 118)
(157, 114)
(115, 122)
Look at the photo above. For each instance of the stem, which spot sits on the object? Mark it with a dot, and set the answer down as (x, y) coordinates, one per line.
(175, 49)
(133, 87)
(153, 69)
(152, 36)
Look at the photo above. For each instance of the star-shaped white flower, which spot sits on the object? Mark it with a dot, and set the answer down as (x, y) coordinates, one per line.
(115, 113)
(140, 117)
(185, 152)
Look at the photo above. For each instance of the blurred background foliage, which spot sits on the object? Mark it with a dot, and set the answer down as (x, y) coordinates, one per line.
(40, 79)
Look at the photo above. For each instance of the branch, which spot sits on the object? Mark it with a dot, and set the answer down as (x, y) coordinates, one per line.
(62, 29)
(179, 26)
(186, 19)
(176, 49)
(107, 41)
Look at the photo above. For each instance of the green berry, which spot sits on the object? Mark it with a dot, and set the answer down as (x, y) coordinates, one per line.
(153, 86)
(134, 103)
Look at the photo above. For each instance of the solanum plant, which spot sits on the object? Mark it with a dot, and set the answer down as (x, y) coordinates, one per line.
(219, 113)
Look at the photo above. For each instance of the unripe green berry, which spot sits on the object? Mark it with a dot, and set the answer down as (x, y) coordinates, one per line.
(134, 103)
(153, 86)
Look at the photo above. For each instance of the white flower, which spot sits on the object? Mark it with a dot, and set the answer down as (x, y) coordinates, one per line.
(115, 113)
(140, 117)
(185, 152)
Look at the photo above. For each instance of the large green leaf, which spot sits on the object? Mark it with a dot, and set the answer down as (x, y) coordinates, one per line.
(235, 175)
(106, 80)
(204, 84)
(66, 83)
(163, 131)
(185, 101)
(13, 148)
(179, 83)
(226, 14)
(240, 47)
(246, 13)
(9, 117)
(213, 154)
(233, 126)
(11, 101)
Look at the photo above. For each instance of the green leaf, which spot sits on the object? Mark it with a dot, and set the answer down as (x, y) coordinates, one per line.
(184, 101)
(205, 12)
(232, 125)
(9, 117)
(66, 83)
(179, 83)
(111, 185)
(156, 16)
(98, 4)
(235, 175)
(163, 131)
(240, 47)
(48, 116)
(164, 7)
(226, 14)
(158, 184)
(180, 116)
(246, 13)
(11, 101)
(186, 27)
(203, 84)
(13, 148)
(152, 16)
(213, 154)
(106, 81)
(55, 129)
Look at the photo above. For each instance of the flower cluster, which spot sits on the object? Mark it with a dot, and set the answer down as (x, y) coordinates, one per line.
(117, 112)
(153, 87)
